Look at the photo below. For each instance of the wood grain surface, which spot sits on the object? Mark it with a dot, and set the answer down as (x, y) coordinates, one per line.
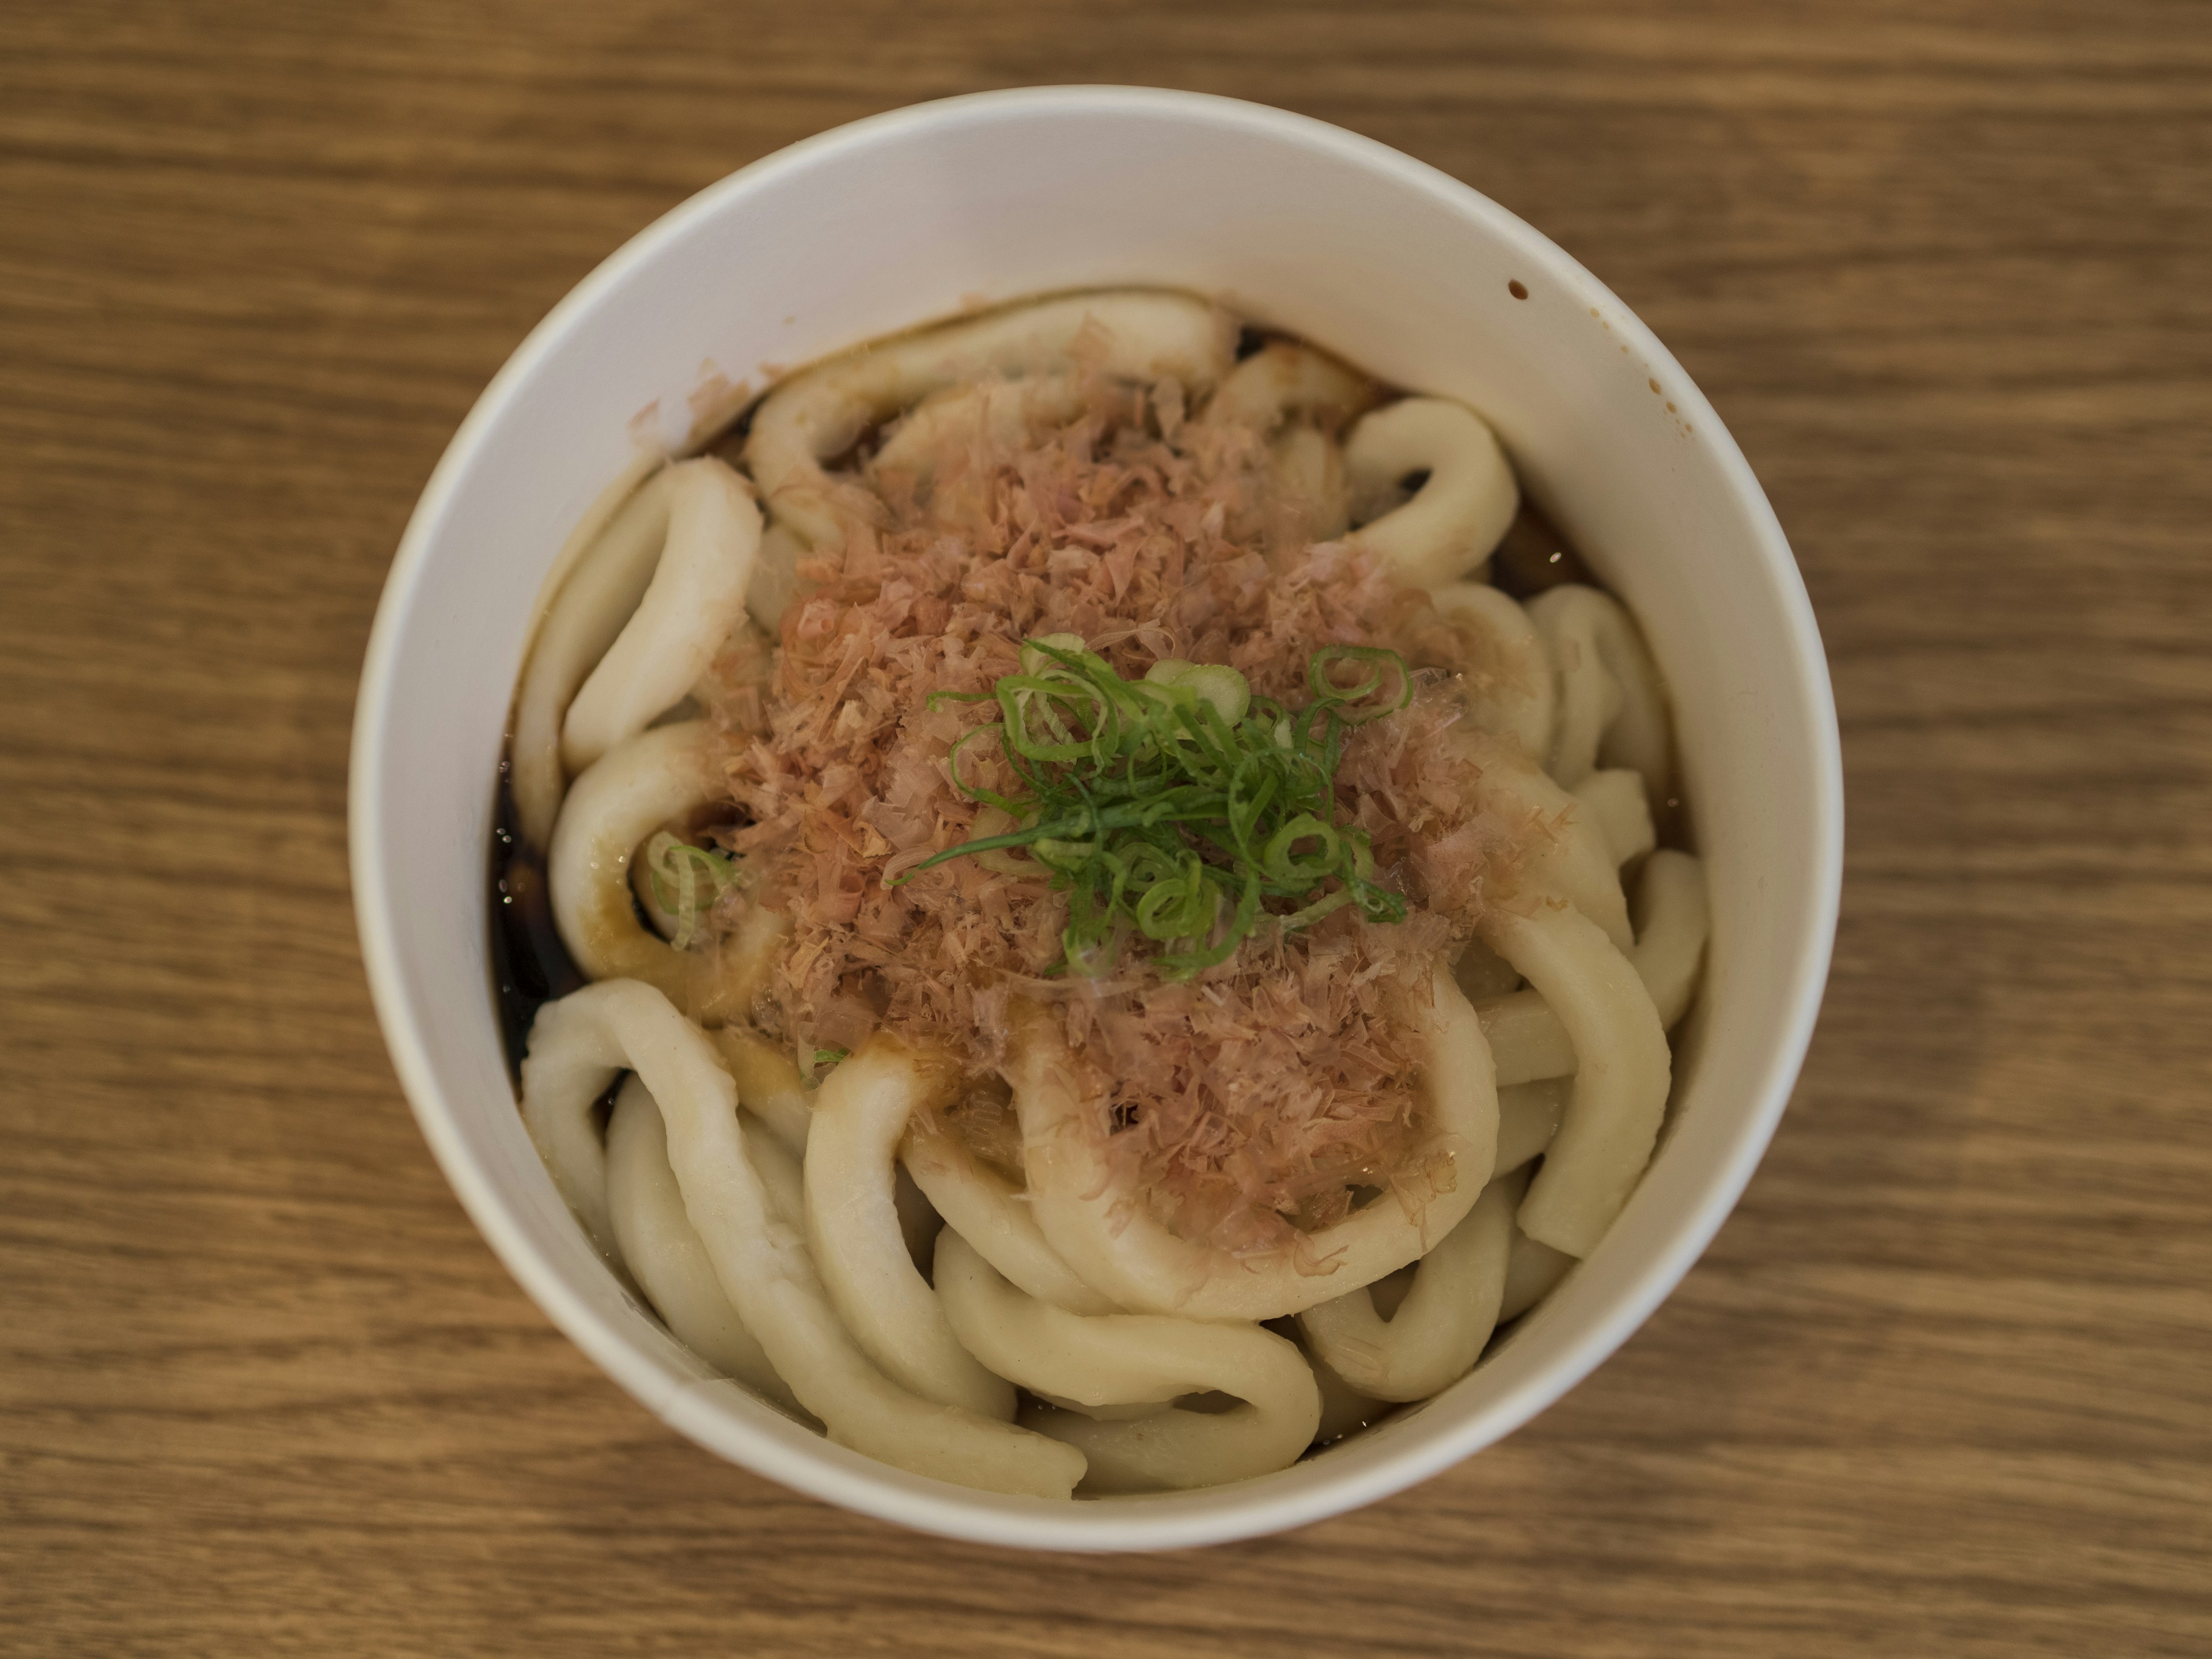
(1943, 1384)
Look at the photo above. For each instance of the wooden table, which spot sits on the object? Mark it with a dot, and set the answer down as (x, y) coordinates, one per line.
(1944, 1385)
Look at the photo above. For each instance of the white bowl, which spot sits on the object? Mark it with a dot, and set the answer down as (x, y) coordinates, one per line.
(907, 216)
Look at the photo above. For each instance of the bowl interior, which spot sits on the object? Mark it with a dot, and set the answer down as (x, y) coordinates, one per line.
(908, 217)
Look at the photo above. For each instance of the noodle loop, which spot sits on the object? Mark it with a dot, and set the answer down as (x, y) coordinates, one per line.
(1672, 919)
(1622, 1071)
(1613, 706)
(1000, 1224)
(620, 801)
(1439, 1329)
(1132, 335)
(709, 535)
(1509, 668)
(648, 600)
(1459, 515)
(861, 1116)
(1121, 1359)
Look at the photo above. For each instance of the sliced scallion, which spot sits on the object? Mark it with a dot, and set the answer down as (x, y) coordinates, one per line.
(1178, 807)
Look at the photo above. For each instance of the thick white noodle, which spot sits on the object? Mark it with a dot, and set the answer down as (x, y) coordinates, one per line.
(1308, 466)
(1266, 393)
(768, 1085)
(1511, 686)
(1113, 1242)
(996, 414)
(1615, 802)
(583, 536)
(620, 801)
(775, 577)
(743, 960)
(1587, 1009)
(861, 1112)
(577, 1046)
(1343, 1407)
(1457, 518)
(603, 597)
(1613, 705)
(1672, 919)
(1528, 1116)
(1563, 854)
(1532, 1271)
(1621, 1073)
(709, 533)
(1525, 1039)
(1282, 380)
(607, 576)
(817, 414)
(943, 447)
(1118, 1360)
(663, 1252)
(996, 1217)
(1439, 1330)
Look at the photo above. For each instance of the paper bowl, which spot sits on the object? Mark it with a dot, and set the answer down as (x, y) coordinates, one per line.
(910, 217)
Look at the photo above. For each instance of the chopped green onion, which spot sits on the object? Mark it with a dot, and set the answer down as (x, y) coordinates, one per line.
(829, 1056)
(1229, 691)
(687, 881)
(1033, 658)
(1179, 806)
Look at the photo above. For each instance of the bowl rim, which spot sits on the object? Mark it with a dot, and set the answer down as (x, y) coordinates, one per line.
(818, 1467)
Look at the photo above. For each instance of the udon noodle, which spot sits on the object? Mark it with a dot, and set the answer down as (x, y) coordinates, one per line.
(1070, 933)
